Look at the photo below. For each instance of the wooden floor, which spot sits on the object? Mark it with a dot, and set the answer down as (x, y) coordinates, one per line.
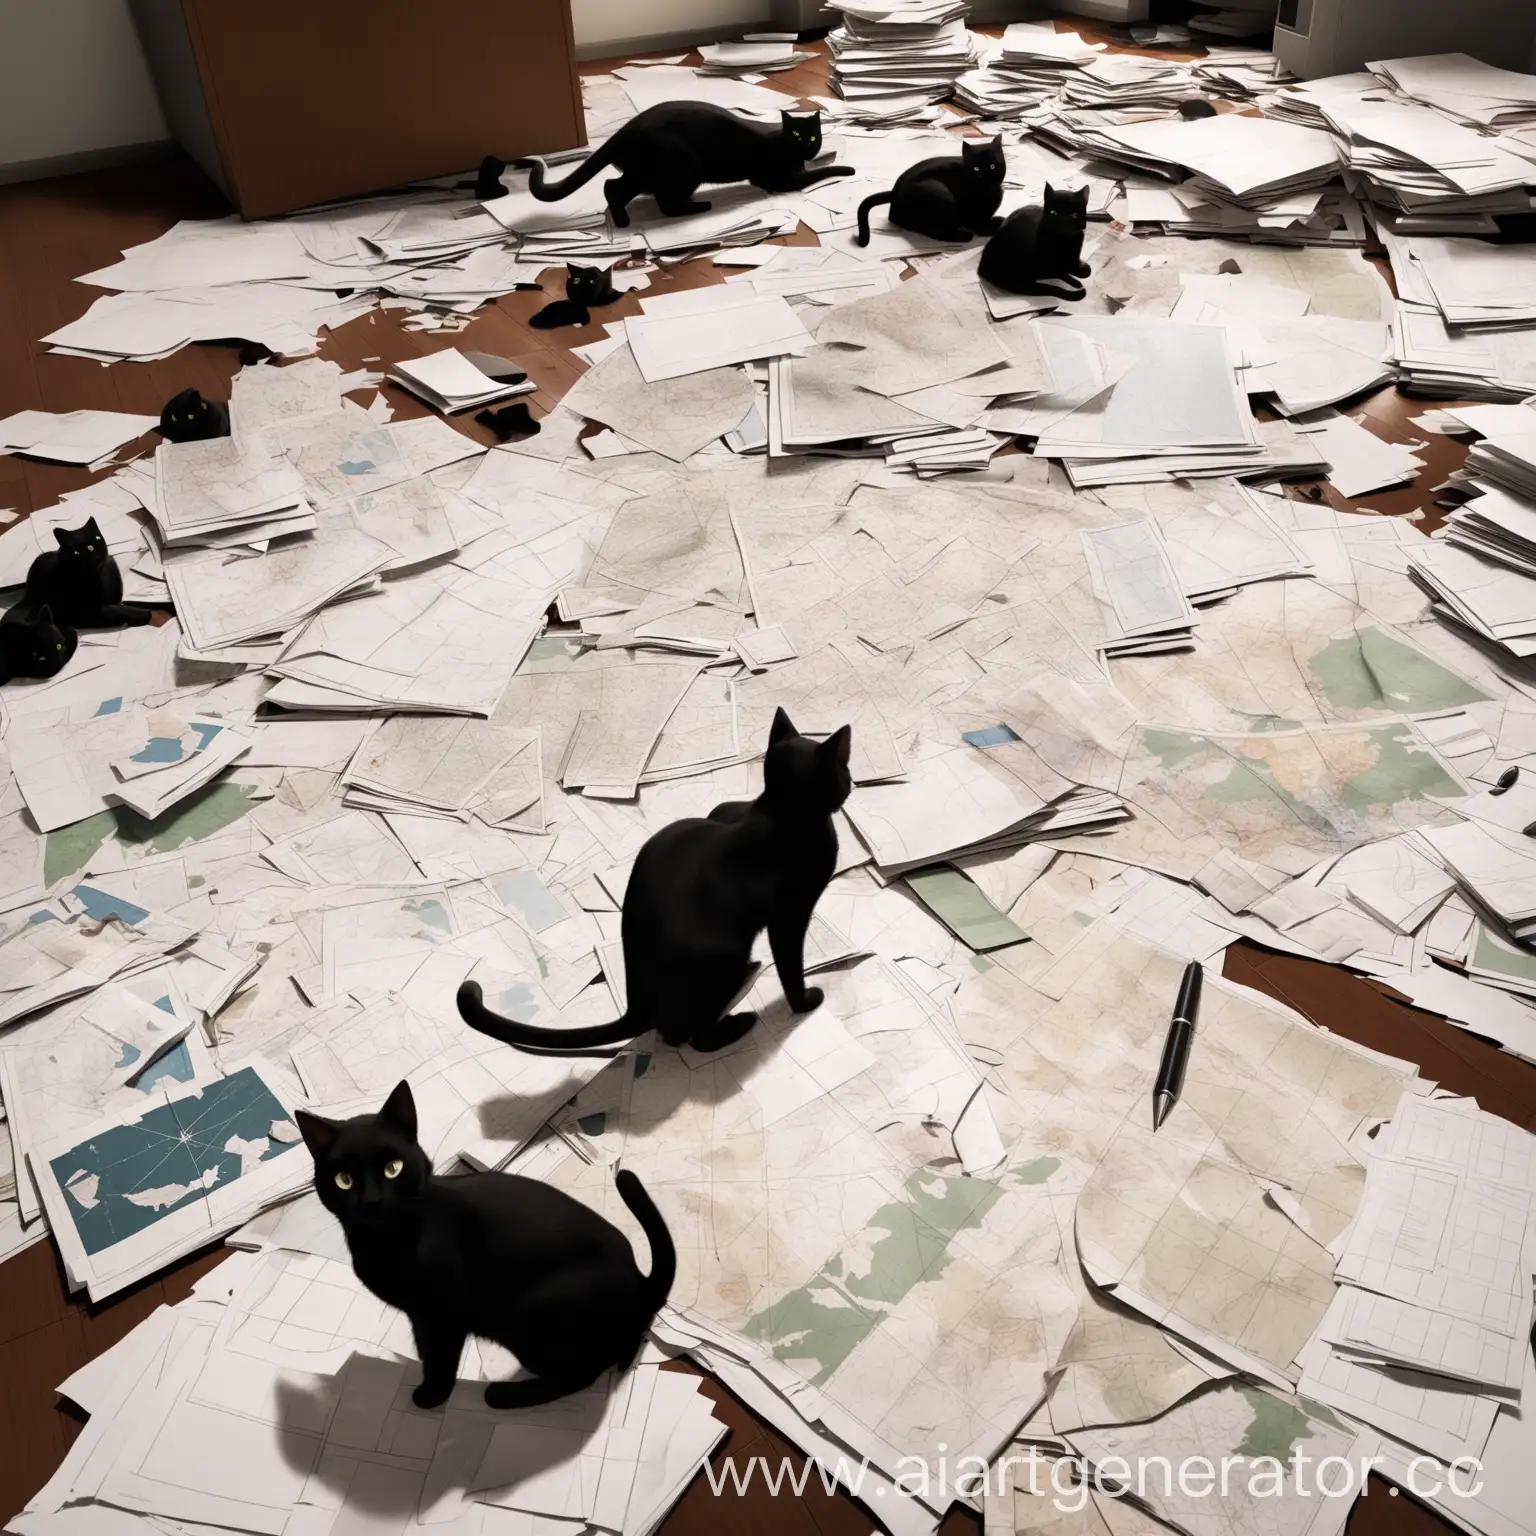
(51, 230)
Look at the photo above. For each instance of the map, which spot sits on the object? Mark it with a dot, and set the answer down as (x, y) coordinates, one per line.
(128, 1177)
(1283, 654)
(1262, 1432)
(1287, 798)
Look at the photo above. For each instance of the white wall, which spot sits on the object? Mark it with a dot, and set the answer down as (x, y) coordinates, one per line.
(599, 22)
(72, 81)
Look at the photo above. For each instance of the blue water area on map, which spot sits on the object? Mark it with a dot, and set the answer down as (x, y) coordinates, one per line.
(100, 905)
(527, 895)
(171, 1146)
(109, 706)
(159, 749)
(175, 1066)
(993, 736)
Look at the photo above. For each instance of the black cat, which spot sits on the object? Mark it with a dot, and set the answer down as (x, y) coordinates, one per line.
(670, 149)
(81, 583)
(489, 1254)
(34, 647)
(189, 418)
(488, 185)
(952, 197)
(1040, 249)
(585, 289)
(701, 891)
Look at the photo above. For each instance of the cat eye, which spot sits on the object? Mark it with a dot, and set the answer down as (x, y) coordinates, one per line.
(393, 1168)
(343, 1181)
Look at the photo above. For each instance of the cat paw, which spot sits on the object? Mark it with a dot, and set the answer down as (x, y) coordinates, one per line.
(428, 1395)
(965, 234)
(840, 170)
(810, 1002)
(1083, 270)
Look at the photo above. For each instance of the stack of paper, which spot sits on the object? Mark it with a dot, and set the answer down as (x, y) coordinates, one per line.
(1485, 595)
(450, 382)
(1415, 164)
(1463, 88)
(449, 767)
(300, 1377)
(751, 56)
(899, 54)
(1026, 69)
(78, 437)
(213, 492)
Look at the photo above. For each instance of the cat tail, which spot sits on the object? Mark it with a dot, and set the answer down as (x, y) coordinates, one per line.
(658, 1284)
(878, 200)
(531, 1038)
(552, 192)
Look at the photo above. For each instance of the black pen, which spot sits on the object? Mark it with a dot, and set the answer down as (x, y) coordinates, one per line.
(1181, 1034)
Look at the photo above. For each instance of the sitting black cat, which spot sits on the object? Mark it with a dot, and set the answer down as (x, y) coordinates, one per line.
(952, 197)
(488, 185)
(509, 422)
(489, 1254)
(671, 149)
(189, 418)
(80, 582)
(701, 891)
(585, 289)
(34, 647)
(1040, 249)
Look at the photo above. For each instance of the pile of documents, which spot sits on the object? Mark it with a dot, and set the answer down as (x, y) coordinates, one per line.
(1114, 706)
(280, 1391)
(451, 382)
(90, 438)
(895, 56)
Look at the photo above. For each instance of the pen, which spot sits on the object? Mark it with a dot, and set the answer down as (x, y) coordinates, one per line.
(1181, 1034)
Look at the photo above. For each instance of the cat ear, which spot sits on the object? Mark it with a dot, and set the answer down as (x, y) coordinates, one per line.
(319, 1135)
(44, 615)
(782, 729)
(839, 745)
(400, 1109)
(62, 535)
(90, 530)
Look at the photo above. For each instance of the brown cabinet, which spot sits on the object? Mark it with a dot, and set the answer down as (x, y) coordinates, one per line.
(286, 103)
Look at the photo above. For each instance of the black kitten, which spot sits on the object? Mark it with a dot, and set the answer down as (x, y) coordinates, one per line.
(671, 149)
(585, 289)
(512, 421)
(488, 185)
(81, 583)
(488, 1254)
(35, 647)
(701, 891)
(949, 198)
(189, 418)
(1195, 108)
(1041, 246)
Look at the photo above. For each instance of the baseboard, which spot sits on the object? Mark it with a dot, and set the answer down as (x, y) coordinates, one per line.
(86, 160)
(666, 42)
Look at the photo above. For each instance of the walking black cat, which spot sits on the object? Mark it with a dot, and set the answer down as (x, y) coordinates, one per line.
(488, 1254)
(673, 148)
(80, 582)
(701, 891)
(952, 197)
(1039, 250)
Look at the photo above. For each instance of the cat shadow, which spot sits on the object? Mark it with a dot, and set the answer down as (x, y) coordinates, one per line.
(302, 1412)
